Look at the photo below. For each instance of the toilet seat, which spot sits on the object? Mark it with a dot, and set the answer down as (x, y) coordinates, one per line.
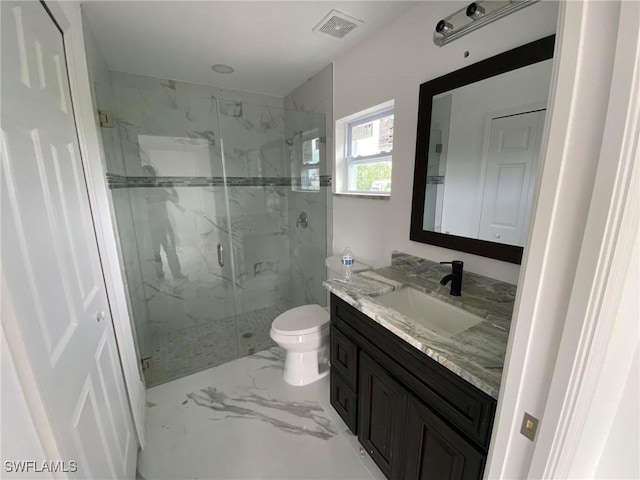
(301, 321)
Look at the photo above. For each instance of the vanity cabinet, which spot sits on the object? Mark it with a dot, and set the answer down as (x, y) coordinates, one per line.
(415, 418)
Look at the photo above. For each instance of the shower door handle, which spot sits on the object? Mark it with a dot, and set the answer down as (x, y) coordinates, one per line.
(220, 255)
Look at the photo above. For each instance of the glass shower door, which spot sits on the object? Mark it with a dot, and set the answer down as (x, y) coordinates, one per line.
(185, 248)
(275, 171)
(165, 171)
(257, 187)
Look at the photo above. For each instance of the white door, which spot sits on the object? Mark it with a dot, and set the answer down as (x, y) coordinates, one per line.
(514, 148)
(50, 259)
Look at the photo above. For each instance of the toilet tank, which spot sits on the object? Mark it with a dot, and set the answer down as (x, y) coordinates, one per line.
(334, 267)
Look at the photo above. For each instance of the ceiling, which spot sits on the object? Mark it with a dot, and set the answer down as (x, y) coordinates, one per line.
(270, 44)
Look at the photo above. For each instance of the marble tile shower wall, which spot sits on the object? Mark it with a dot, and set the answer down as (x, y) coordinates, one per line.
(129, 253)
(310, 107)
(178, 129)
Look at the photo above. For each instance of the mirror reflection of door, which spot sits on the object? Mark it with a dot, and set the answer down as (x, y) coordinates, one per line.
(512, 157)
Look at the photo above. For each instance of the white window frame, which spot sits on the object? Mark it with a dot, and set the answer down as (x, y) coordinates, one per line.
(298, 167)
(351, 162)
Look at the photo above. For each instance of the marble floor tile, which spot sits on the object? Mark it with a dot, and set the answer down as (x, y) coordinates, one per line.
(241, 420)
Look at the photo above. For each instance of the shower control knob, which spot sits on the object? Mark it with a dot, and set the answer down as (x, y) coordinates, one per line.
(100, 316)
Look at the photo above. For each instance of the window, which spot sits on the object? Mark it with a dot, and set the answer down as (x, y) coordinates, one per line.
(310, 170)
(368, 153)
(304, 156)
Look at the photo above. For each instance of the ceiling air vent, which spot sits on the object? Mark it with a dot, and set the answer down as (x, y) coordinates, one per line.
(337, 24)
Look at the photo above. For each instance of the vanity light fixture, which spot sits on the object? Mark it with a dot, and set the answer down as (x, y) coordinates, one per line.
(444, 28)
(474, 16)
(475, 11)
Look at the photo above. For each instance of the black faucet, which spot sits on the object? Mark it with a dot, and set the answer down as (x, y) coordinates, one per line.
(455, 276)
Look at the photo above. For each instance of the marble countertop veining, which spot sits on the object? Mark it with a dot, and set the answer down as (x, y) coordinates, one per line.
(476, 354)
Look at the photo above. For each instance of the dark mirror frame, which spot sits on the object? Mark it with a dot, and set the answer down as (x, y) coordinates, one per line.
(519, 57)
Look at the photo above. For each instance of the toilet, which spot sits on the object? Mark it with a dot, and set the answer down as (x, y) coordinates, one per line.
(304, 334)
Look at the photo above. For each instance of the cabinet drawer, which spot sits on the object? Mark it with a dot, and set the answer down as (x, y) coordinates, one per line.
(344, 357)
(345, 401)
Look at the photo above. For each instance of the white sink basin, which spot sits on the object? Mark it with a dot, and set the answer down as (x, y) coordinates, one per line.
(441, 317)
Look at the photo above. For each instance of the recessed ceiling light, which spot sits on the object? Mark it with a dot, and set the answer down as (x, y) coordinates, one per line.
(221, 68)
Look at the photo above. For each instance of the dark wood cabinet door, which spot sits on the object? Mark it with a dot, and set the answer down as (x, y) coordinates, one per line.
(434, 451)
(381, 406)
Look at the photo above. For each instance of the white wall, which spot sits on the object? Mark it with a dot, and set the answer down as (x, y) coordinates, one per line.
(610, 442)
(391, 65)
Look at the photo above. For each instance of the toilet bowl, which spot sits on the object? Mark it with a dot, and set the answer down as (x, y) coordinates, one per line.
(304, 334)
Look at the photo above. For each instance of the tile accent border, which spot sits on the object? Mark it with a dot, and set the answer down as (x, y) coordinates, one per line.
(122, 181)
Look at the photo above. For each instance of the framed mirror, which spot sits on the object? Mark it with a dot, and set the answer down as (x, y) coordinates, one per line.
(477, 153)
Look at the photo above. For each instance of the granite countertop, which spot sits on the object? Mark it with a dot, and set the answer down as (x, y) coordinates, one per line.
(476, 354)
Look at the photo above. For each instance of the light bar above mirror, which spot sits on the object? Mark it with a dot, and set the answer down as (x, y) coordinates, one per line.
(474, 16)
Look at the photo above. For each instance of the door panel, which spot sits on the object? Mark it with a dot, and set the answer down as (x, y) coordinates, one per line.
(49, 252)
(514, 148)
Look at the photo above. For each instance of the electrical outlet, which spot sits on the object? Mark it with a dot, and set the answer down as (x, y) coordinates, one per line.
(529, 426)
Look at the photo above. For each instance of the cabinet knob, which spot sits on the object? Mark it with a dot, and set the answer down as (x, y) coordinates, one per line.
(100, 316)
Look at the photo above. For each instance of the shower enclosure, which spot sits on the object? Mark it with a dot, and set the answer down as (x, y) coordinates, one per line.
(208, 185)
